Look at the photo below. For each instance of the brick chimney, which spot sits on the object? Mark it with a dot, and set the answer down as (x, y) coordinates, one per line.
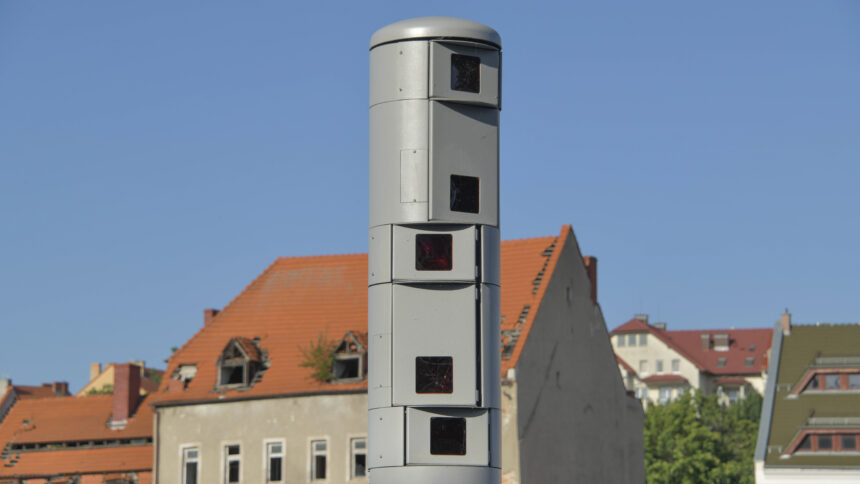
(209, 314)
(591, 270)
(785, 322)
(126, 393)
(60, 388)
(95, 370)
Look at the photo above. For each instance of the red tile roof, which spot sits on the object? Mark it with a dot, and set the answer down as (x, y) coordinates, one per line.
(297, 298)
(136, 458)
(743, 344)
(665, 379)
(72, 419)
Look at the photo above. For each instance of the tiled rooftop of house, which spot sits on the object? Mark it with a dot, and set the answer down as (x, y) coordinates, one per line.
(296, 299)
(746, 353)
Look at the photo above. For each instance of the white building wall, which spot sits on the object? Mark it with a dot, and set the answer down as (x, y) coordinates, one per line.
(804, 475)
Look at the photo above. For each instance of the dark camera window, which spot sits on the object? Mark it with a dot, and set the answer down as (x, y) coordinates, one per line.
(849, 442)
(434, 374)
(465, 73)
(464, 194)
(447, 436)
(433, 252)
(825, 442)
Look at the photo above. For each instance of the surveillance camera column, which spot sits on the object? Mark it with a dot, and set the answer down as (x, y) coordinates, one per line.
(433, 290)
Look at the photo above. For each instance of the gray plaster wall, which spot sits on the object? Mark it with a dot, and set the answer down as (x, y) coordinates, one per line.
(576, 423)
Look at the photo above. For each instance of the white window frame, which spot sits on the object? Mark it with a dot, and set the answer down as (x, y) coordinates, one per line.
(199, 460)
(226, 459)
(621, 341)
(267, 458)
(643, 367)
(658, 367)
(350, 470)
(631, 339)
(643, 339)
(312, 458)
(668, 396)
(676, 366)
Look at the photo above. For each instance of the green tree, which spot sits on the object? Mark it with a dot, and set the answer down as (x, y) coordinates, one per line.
(695, 439)
(319, 357)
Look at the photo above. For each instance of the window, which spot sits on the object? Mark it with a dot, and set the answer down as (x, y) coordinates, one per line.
(659, 364)
(274, 462)
(854, 381)
(232, 463)
(434, 374)
(721, 362)
(464, 194)
(825, 442)
(319, 456)
(805, 444)
(831, 382)
(849, 443)
(358, 462)
(733, 395)
(621, 340)
(676, 366)
(643, 339)
(447, 436)
(665, 394)
(642, 393)
(190, 463)
(631, 340)
(749, 361)
(434, 252)
(465, 73)
(813, 383)
(643, 367)
(350, 358)
(238, 363)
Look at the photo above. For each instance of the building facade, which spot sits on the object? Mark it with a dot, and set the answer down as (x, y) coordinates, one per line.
(250, 398)
(658, 364)
(810, 421)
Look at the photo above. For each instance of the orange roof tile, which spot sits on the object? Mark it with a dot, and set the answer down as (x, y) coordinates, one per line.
(59, 462)
(70, 419)
(297, 298)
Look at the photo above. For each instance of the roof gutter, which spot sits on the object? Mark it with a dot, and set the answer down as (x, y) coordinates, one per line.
(769, 395)
(200, 401)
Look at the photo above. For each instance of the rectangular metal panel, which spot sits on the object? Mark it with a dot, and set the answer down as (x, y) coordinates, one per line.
(394, 127)
(386, 446)
(399, 71)
(379, 255)
(379, 374)
(435, 320)
(418, 438)
(490, 257)
(463, 253)
(413, 175)
(464, 141)
(440, 73)
(491, 356)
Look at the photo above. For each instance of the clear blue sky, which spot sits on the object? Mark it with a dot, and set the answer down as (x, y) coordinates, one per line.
(156, 156)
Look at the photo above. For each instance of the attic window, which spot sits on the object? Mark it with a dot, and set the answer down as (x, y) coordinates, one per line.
(721, 362)
(749, 361)
(238, 363)
(350, 358)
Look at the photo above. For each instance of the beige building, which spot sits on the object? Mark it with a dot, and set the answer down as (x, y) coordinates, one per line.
(274, 389)
(657, 364)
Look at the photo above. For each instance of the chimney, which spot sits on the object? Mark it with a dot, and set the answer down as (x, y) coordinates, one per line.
(95, 370)
(209, 314)
(60, 388)
(642, 317)
(591, 270)
(5, 385)
(785, 322)
(660, 326)
(126, 393)
(140, 364)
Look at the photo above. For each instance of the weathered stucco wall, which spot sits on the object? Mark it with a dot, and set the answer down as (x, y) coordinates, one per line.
(576, 422)
(297, 421)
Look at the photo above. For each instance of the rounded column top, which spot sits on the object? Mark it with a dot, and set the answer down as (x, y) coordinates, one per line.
(436, 28)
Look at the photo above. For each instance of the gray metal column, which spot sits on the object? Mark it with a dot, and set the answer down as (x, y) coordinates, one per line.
(433, 282)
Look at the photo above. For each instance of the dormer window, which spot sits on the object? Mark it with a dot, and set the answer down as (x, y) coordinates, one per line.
(239, 363)
(350, 358)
